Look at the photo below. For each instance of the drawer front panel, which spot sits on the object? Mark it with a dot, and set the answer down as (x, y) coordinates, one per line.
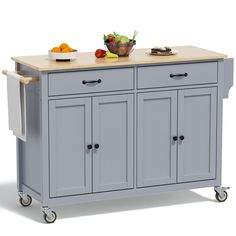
(176, 75)
(91, 81)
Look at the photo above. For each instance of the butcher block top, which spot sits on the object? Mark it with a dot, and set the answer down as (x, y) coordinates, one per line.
(138, 56)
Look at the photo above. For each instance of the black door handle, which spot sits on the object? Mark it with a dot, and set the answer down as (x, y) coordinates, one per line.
(89, 146)
(96, 146)
(91, 81)
(175, 138)
(181, 137)
(178, 75)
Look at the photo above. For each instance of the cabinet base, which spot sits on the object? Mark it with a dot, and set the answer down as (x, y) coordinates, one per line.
(50, 216)
(144, 191)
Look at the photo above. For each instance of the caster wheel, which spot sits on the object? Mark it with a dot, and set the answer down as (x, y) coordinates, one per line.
(25, 202)
(221, 199)
(50, 219)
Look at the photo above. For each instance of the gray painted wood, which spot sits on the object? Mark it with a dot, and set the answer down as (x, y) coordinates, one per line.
(125, 92)
(228, 76)
(30, 160)
(72, 82)
(18, 153)
(156, 151)
(39, 146)
(28, 153)
(197, 122)
(18, 164)
(70, 133)
(34, 194)
(113, 131)
(220, 96)
(44, 137)
(159, 76)
(127, 193)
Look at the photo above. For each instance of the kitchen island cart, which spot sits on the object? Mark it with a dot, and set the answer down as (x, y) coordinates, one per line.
(102, 129)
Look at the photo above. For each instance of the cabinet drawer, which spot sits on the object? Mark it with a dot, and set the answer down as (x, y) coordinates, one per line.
(175, 75)
(91, 81)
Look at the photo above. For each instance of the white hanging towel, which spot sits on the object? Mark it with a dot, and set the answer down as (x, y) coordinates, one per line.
(16, 105)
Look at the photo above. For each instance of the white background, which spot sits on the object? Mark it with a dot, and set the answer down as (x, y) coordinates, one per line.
(32, 27)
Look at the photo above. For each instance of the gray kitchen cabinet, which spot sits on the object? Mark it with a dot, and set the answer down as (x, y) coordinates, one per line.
(156, 153)
(197, 134)
(134, 126)
(73, 149)
(70, 133)
(113, 132)
(163, 148)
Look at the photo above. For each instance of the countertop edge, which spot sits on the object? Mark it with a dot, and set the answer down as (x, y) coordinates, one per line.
(105, 65)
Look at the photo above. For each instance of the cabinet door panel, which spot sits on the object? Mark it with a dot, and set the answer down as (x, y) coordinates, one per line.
(113, 131)
(197, 122)
(70, 132)
(156, 150)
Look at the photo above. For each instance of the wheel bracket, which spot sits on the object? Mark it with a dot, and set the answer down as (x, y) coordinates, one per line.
(220, 190)
(23, 196)
(47, 211)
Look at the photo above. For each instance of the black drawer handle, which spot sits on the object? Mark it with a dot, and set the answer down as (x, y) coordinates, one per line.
(96, 146)
(181, 137)
(175, 138)
(91, 81)
(89, 146)
(178, 75)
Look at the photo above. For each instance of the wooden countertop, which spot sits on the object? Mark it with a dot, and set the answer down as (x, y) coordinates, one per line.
(88, 60)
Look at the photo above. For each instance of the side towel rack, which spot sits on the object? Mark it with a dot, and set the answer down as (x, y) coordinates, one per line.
(23, 80)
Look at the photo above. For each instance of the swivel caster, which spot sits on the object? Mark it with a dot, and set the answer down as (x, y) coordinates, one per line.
(221, 194)
(24, 199)
(48, 215)
(221, 198)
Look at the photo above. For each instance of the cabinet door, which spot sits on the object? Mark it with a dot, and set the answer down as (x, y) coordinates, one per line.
(70, 133)
(113, 131)
(156, 149)
(197, 123)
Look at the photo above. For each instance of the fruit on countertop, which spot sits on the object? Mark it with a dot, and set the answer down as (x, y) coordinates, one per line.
(100, 53)
(63, 48)
(121, 39)
(111, 38)
(68, 49)
(111, 55)
(56, 49)
(119, 44)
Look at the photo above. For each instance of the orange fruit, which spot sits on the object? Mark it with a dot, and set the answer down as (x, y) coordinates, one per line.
(65, 50)
(63, 46)
(56, 49)
(68, 49)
